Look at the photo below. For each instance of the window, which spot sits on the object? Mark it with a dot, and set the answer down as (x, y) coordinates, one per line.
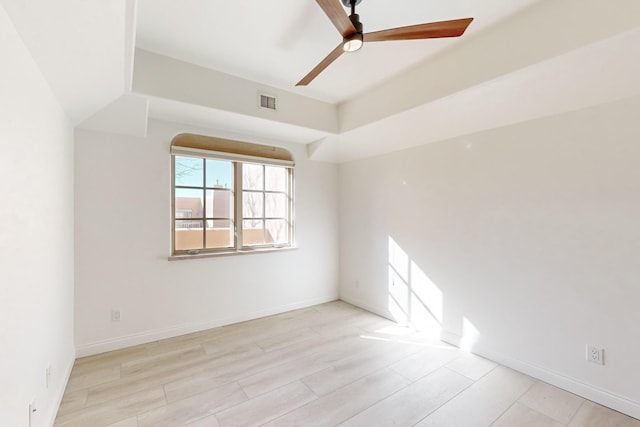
(230, 196)
(265, 212)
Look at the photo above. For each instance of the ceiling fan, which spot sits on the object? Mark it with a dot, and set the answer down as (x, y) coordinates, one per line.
(351, 29)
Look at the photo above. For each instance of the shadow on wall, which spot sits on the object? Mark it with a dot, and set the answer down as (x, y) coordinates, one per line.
(414, 300)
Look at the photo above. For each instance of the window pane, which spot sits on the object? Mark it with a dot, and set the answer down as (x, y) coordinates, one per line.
(188, 203)
(276, 205)
(275, 178)
(277, 231)
(252, 205)
(184, 213)
(219, 233)
(219, 204)
(219, 173)
(188, 235)
(252, 177)
(219, 223)
(189, 171)
(189, 224)
(252, 232)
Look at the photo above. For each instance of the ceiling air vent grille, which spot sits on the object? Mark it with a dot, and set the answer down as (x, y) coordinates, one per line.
(267, 102)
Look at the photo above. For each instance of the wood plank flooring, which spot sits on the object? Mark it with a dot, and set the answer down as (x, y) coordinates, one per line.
(328, 365)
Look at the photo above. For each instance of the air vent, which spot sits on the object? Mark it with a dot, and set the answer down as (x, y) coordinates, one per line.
(268, 102)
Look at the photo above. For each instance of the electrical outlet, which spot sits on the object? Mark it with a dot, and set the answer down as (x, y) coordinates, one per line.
(32, 412)
(115, 315)
(595, 354)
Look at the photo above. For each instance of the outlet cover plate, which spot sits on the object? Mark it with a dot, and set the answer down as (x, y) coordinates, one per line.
(33, 408)
(595, 354)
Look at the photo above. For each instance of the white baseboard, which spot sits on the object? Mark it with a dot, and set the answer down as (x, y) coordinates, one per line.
(573, 385)
(365, 306)
(118, 343)
(59, 393)
(451, 338)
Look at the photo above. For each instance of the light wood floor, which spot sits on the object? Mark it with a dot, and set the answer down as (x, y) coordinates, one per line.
(327, 365)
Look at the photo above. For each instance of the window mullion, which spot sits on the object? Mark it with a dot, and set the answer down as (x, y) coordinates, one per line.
(290, 212)
(238, 220)
(264, 205)
(173, 204)
(204, 204)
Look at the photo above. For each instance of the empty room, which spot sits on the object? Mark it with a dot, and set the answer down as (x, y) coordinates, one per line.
(320, 213)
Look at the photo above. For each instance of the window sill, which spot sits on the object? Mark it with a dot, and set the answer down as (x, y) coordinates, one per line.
(229, 253)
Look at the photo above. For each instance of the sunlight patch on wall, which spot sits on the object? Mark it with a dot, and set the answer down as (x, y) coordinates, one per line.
(470, 335)
(427, 297)
(413, 299)
(398, 283)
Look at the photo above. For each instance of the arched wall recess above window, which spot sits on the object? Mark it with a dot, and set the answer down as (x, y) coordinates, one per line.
(190, 144)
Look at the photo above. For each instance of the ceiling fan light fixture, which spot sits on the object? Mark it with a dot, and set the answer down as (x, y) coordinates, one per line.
(352, 43)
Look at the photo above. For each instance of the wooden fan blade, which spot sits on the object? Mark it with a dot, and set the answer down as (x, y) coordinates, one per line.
(432, 30)
(334, 10)
(335, 54)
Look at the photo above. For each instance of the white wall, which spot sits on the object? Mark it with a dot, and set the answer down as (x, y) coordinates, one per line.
(167, 78)
(523, 242)
(36, 238)
(123, 241)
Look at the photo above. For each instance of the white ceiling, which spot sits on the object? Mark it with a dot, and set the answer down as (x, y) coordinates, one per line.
(278, 42)
(80, 47)
(614, 63)
(519, 60)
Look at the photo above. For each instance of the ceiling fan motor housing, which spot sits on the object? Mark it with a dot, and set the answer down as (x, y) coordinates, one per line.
(347, 3)
(355, 20)
(352, 42)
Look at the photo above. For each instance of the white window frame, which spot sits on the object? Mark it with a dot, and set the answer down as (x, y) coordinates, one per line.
(238, 160)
